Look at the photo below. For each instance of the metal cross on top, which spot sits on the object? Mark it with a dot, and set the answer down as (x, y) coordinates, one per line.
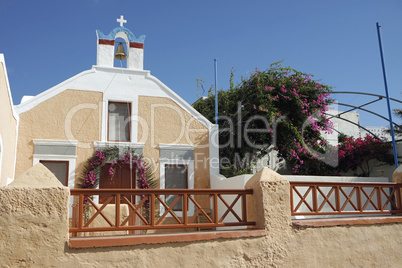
(121, 20)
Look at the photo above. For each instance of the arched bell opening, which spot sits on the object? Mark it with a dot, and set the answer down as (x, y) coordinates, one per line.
(123, 39)
(121, 50)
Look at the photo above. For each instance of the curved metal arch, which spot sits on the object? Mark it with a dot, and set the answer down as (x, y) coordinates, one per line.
(348, 105)
(353, 124)
(364, 93)
(357, 107)
(380, 97)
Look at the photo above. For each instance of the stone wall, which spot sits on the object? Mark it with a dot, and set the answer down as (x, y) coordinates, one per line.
(34, 233)
(34, 220)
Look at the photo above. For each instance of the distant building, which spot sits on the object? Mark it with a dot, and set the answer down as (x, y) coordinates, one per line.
(380, 132)
(346, 123)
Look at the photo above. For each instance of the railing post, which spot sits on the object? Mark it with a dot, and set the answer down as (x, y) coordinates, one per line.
(337, 199)
(379, 199)
(152, 210)
(80, 211)
(315, 207)
(216, 208)
(117, 210)
(291, 198)
(244, 207)
(359, 198)
(185, 199)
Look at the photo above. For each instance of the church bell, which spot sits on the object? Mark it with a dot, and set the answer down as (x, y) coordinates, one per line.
(120, 53)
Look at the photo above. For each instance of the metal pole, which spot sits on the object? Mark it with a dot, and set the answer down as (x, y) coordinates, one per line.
(387, 95)
(216, 90)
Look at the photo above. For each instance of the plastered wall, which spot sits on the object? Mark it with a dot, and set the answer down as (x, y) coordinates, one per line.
(70, 115)
(76, 115)
(167, 123)
(34, 234)
(8, 129)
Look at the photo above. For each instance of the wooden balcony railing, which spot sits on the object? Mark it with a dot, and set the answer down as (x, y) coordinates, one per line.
(135, 210)
(341, 198)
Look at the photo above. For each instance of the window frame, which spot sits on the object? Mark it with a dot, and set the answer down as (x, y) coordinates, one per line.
(58, 157)
(190, 182)
(186, 187)
(177, 165)
(129, 104)
(60, 161)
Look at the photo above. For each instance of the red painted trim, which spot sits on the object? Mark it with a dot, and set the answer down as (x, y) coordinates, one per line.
(128, 240)
(106, 42)
(136, 45)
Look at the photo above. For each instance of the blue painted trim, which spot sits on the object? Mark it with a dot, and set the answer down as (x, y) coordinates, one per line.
(112, 35)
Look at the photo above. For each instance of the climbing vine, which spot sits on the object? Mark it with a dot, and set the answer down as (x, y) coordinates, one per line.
(112, 155)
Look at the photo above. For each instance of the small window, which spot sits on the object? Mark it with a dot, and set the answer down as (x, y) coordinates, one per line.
(119, 121)
(175, 178)
(59, 169)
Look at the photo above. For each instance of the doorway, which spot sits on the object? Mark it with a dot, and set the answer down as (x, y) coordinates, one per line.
(123, 177)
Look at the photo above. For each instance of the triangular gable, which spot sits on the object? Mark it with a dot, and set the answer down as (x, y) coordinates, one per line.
(101, 78)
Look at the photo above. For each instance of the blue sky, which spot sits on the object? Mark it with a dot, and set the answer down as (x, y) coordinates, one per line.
(47, 42)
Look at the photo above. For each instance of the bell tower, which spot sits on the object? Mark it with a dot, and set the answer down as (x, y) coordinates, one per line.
(106, 45)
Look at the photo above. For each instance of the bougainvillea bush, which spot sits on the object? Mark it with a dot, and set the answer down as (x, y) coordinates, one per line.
(280, 108)
(356, 154)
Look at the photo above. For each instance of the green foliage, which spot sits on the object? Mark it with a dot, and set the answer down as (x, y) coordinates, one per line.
(269, 108)
(398, 113)
(231, 170)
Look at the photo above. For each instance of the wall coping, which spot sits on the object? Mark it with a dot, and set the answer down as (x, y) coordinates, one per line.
(346, 221)
(129, 240)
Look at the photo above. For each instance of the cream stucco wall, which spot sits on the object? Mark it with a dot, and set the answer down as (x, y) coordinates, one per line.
(8, 128)
(34, 226)
(76, 115)
(162, 121)
(70, 115)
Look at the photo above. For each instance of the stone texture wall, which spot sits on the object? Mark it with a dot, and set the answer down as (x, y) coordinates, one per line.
(34, 220)
(35, 235)
(374, 245)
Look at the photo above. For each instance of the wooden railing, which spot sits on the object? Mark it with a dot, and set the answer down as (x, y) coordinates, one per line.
(341, 198)
(134, 210)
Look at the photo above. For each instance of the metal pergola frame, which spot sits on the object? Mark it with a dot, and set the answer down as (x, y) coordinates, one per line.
(360, 107)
